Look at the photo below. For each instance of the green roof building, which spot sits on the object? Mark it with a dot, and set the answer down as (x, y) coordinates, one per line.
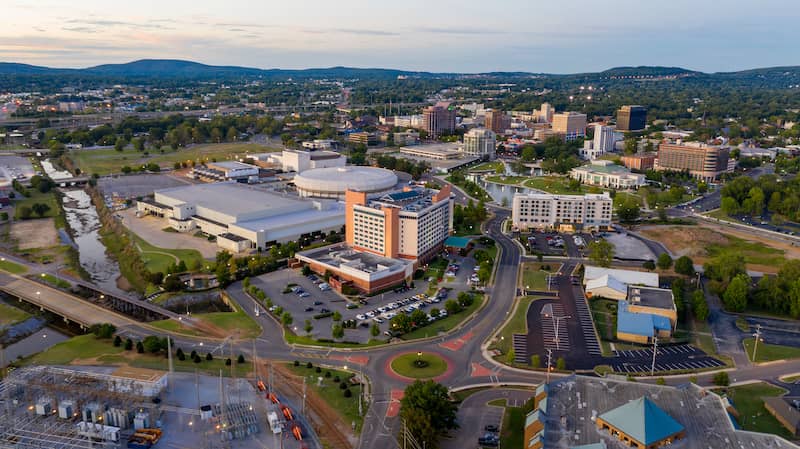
(641, 424)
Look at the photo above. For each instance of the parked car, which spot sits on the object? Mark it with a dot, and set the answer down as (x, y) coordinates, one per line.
(324, 310)
(324, 286)
(317, 303)
(361, 317)
(489, 439)
(350, 305)
(491, 428)
(309, 309)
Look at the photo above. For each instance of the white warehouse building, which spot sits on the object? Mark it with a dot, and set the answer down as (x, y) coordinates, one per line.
(240, 216)
(300, 161)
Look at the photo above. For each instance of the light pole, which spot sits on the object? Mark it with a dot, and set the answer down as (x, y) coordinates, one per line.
(757, 336)
(557, 321)
(655, 351)
(549, 356)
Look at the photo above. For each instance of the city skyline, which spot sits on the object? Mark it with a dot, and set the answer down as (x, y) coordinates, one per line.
(443, 37)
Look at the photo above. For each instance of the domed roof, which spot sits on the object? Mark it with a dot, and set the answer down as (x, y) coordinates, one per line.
(340, 179)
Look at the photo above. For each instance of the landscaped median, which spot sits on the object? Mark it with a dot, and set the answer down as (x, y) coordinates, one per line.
(748, 400)
(768, 353)
(12, 267)
(421, 365)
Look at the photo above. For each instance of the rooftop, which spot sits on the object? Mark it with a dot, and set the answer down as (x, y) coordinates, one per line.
(351, 177)
(636, 323)
(651, 297)
(408, 200)
(231, 165)
(629, 277)
(580, 399)
(642, 420)
(610, 168)
(342, 255)
(234, 199)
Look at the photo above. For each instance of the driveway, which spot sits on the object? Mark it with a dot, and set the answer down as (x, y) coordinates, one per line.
(474, 415)
(151, 229)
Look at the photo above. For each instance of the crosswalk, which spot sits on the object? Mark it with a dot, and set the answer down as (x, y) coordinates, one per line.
(549, 331)
(587, 325)
(520, 345)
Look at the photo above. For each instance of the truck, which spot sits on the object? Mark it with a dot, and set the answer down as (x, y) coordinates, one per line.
(275, 423)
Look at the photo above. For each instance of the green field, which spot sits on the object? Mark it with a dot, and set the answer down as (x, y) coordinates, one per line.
(604, 314)
(159, 259)
(533, 277)
(108, 161)
(494, 166)
(767, 353)
(753, 252)
(54, 281)
(176, 327)
(747, 399)
(332, 394)
(12, 267)
(88, 347)
(557, 185)
(48, 198)
(404, 365)
(11, 315)
(508, 180)
(511, 436)
(237, 321)
(518, 324)
(445, 324)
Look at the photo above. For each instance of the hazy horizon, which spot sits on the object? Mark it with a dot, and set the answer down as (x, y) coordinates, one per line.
(445, 36)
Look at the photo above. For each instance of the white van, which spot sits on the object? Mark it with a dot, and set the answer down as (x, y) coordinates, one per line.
(324, 286)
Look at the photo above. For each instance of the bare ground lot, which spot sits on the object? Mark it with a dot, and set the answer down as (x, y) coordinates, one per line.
(698, 242)
(37, 233)
(151, 230)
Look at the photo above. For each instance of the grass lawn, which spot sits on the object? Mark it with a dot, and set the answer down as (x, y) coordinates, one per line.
(332, 394)
(557, 185)
(405, 365)
(518, 324)
(12, 267)
(107, 161)
(753, 252)
(604, 315)
(159, 259)
(48, 198)
(11, 315)
(461, 395)
(54, 281)
(533, 278)
(175, 326)
(445, 324)
(88, 348)
(508, 180)
(768, 353)
(511, 437)
(747, 400)
(310, 341)
(720, 215)
(494, 166)
(237, 322)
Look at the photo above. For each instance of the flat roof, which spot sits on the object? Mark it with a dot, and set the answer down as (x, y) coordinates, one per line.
(232, 198)
(341, 254)
(335, 210)
(651, 297)
(579, 399)
(438, 148)
(629, 277)
(643, 324)
(231, 165)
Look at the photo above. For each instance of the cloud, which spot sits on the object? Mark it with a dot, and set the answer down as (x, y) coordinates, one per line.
(81, 29)
(439, 30)
(153, 25)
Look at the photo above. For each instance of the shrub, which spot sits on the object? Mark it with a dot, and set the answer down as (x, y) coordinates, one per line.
(228, 362)
(343, 385)
(318, 370)
(296, 363)
(347, 393)
(309, 365)
(209, 357)
(240, 359)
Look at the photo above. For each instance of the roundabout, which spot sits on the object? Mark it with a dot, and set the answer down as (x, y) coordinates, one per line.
(419, 365)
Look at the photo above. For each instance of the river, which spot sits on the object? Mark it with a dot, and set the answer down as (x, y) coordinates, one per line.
(35, 343)
(85, 224)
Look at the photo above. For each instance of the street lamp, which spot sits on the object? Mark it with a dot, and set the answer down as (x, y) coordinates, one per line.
(419, 356)
(757, 336)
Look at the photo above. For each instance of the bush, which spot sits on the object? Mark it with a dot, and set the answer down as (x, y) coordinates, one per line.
(536, 361)
(209, 357)
(240, 359)
(179, 353)
(117, 341)
(139, 347)
(128, 344)
(343, 385)
(347, 393)
(228, 362)
(561, 364)
(197, 359)
(327, 374)
(296, 363)
(318, 370)
(309, 365)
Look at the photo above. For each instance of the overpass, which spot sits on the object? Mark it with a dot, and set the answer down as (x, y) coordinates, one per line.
(71, 308)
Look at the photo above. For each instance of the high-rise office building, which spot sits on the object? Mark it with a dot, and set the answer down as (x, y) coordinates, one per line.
(439, 119)
(570, 125)
(544, 114)
(480, 142)
(497, 121)
(705, 162)
(631, 118)
(604, 139)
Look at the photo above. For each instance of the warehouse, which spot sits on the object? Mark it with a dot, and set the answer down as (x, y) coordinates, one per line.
(242, 217)
(333, 182)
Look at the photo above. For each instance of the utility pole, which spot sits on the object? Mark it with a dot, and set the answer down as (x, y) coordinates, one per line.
(169, 357)
(304, 396)
(557, 321)
(757, 336)
(549, 356)
(655, 350)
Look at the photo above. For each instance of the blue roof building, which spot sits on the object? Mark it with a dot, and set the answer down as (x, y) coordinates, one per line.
(636, 325)
(641, 424)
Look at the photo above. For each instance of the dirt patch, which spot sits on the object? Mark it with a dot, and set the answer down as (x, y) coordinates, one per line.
(37, 233)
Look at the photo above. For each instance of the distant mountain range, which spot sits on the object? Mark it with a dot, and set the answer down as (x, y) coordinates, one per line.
(177, 69)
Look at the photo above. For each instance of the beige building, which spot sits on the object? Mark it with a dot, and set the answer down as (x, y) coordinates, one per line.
(606, 173)
(563, 212)
(480, 142)
(570, 125)
(497, 121)
(439, 119)
(705, 162)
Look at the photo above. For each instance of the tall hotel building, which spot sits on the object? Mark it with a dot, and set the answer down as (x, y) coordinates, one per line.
(565, 213)
(570, 125)
(410, 224)
(705, 162)
(439, 119)
(631, 118)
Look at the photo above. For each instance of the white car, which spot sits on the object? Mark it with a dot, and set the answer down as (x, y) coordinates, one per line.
(370, 314)
(361, 317)
(377, 320)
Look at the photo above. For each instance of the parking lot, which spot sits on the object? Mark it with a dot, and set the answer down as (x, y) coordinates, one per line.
(132, 186)
(668, 358)
(311, 301)
(557, 244)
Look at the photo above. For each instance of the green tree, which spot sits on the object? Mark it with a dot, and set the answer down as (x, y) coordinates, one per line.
(601, 253)
(139, 347)
(24, 212)
(684, 265)
(649, 265)
(628, 211)
(536, 361)
(152, 344)
(721, 379)
(664, 261)
(561, 364)
(428, 412)
(138, 144)
(308, 327)
(119, 145)
(735, 296)
(375, 330)
(337, 331)
(287, 319)
(40, 209)
(337, 316)
(700, 306)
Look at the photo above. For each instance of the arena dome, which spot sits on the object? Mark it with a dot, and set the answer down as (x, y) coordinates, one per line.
(333, 182)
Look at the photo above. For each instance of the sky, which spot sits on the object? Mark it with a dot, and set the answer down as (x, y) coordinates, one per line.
(431, 35)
